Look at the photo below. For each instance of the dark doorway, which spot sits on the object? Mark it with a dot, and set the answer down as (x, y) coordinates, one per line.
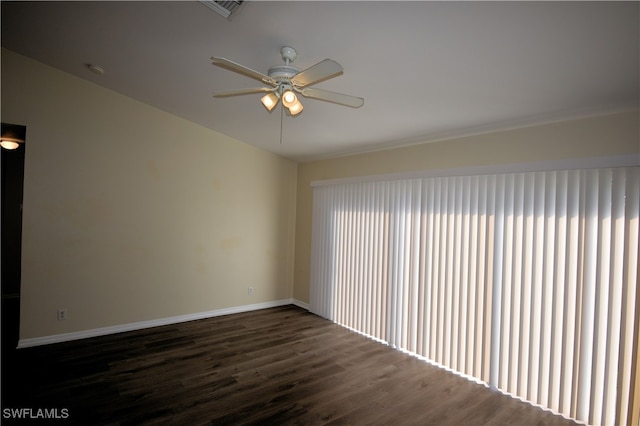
(12, 185)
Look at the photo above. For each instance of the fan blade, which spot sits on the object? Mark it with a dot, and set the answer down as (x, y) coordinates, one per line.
(336, 98)
(241, 69)
(242, 92)
(321, 71)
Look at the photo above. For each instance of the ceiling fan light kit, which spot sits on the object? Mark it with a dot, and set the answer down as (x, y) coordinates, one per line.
(287, 82)
(270, 100)
(289, 98)
(296, 108)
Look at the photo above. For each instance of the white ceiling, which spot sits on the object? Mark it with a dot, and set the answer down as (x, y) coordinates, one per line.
(427, 70)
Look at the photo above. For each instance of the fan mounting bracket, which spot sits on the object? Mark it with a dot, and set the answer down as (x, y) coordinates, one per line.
(289, 54)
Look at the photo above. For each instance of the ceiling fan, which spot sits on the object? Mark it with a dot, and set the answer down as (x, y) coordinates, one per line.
(285, 82)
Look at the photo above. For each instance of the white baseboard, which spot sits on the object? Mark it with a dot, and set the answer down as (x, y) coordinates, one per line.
(84, 334)
(300, 304)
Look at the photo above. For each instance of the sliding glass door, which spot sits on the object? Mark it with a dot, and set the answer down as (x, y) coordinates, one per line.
(525, 281)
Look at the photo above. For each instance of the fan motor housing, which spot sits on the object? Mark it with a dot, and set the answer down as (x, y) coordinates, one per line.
(282, 73)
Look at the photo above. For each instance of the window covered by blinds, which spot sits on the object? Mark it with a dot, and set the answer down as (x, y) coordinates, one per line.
(526, 281)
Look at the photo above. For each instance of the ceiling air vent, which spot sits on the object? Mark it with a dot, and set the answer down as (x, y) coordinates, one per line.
(224, 8)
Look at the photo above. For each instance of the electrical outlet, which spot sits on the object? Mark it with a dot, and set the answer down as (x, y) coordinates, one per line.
(62, 314)
(250, 291)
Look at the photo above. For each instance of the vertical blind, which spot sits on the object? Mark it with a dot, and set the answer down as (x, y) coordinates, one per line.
(526, 281)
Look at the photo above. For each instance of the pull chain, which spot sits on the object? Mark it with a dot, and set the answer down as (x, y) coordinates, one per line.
(281, 116)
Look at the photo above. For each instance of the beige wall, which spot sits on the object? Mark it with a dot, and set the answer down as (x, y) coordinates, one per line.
(615, 134)
(132, 214)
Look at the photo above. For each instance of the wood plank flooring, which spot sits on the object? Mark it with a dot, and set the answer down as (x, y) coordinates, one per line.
(279, 366)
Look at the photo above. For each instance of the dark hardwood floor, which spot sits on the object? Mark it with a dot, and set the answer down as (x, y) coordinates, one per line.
(272, 367)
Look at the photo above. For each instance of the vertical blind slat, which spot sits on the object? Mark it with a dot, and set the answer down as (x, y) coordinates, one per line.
(613, 319)
(472, 352)
(559, 284)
